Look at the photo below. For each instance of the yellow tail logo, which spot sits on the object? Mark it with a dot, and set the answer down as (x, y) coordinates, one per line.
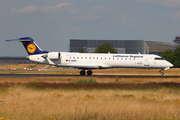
(31, 48)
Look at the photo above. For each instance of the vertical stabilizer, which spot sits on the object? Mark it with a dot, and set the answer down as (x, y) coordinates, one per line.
(31, 47)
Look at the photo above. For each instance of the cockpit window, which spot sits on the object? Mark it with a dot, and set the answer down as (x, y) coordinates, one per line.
(159, 58)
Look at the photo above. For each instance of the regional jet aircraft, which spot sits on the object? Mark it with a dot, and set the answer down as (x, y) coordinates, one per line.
(89, 61)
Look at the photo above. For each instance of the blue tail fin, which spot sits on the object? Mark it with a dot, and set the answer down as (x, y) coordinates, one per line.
(31, 47)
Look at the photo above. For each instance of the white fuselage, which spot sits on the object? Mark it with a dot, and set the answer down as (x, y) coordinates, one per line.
(88, 61)
(96, 60)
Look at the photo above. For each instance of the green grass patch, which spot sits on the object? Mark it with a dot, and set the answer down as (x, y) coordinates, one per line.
(85, 81)
(116, 95)
(31, 66)
(117, 79)
(128, 96)
(36, 85)
(2, 90)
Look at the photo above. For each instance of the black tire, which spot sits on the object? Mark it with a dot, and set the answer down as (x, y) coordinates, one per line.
(82, 72)
(89, 72)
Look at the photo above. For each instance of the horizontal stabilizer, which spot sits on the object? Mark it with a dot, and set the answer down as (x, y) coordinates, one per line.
(17, 40)
(21, 39)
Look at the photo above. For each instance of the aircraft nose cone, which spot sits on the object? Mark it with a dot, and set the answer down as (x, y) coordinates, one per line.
(171, 65)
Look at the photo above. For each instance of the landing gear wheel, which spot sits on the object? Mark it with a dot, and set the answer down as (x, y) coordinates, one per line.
(162, 73)
(82, 72)
(89, 72)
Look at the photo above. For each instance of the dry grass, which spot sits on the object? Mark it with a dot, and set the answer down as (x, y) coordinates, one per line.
(21, 103)
(134, 98)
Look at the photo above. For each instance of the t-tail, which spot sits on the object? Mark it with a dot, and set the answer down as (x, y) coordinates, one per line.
(31, 47)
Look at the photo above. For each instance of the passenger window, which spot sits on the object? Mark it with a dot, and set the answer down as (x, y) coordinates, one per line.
(85, 57)
(134, 58)
(97, 58)
(125, 58)
(93, 57)
(69, 57)
(109, 58)
(89, 57)
(73, 57)
(117, 58)
(81, 57)
(101, 58)
(113, 58)
(105, 58)
(77, 57)
(121, 58)
(129, 58)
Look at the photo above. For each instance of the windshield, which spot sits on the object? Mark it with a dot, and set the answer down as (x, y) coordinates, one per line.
(159, 58)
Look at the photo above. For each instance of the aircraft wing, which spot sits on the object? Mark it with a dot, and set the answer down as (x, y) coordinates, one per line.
(81, 66)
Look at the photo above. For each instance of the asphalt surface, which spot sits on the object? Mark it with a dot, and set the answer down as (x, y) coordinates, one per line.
(60, 75)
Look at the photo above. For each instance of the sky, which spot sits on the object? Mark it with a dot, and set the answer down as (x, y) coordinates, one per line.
(52, 23)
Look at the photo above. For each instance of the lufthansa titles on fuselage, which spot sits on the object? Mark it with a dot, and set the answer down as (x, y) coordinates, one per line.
(128, 56)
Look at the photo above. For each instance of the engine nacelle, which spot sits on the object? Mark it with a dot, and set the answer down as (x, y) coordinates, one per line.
(53, 55)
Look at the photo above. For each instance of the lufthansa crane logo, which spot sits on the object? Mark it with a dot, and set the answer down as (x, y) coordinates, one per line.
(31, 48)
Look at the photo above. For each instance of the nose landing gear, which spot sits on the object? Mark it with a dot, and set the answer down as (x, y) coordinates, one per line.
(162, 73)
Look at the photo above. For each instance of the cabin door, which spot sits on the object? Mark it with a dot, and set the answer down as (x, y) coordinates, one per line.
(146, 62)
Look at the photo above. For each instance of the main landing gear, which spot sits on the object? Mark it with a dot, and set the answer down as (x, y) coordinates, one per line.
(89, 72)
(162, 73)
(82, 72)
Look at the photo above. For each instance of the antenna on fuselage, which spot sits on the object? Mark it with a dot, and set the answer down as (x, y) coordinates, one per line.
(109, 53)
